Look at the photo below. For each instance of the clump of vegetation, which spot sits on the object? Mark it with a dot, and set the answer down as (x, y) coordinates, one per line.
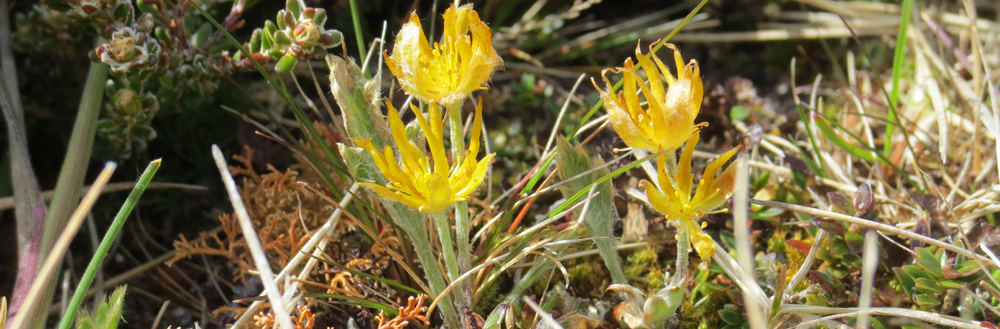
(417, 186)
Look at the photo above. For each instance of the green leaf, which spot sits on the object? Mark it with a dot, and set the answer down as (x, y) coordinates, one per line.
(928, 261)
(731, 317)
(950, 284)
(906, 280)
(927, 286)
(966, 267)
(106, 242)
(739, 113)
(926, 301)
(840, 142)
(917, 272)
(573, 161)
(107, 314)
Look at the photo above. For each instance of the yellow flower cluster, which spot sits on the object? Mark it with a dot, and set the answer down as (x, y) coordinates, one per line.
(416, 181)
(674, 199)
(666, 124)
(668, 120)
(455, 67)
(443, 75)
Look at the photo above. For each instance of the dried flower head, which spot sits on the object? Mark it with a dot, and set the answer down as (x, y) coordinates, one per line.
(456, 66)
(417, 182)
(668, 120)
(681, 208)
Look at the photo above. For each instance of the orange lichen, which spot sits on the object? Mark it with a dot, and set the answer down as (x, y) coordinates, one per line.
(305, 320)
(414, 310)
(284, 214)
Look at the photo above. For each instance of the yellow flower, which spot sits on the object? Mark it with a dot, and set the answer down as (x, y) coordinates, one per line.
(683, 209)
(415, 181)
(668, 120)
(447, 73)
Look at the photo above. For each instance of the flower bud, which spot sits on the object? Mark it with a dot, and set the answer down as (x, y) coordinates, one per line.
(126, 101)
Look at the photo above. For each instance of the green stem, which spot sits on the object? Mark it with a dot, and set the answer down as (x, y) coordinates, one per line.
(412, 226)
(356, 18)
(455, 125)
(109, 239)
(462, 225)
(443, 223)
(680, 274)
(70, 184)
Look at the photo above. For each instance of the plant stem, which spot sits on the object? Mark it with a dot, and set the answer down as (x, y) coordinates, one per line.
(462, 225)
(680, 274)
(74, 167)
(356, 18)
(414, 229)
(29, 208)
(443, 222)
(109, 238)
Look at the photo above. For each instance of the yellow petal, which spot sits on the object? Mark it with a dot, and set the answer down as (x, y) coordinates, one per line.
(659, 64)
(440, 197)
(476, 178)
(655, 85)
(713, 168)
(658, 200)
(684, 178)
(434, 137)
(394, 196)
(405, 63)
(697, 91)
(411, 157)
(627, 129)
(720, 190)
(702, 242)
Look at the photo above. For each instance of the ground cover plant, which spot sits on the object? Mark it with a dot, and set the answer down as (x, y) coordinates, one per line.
(500, 164)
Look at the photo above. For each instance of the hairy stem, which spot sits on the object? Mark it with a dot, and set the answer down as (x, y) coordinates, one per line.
(443, 223)
(422, 246)
(462, 225)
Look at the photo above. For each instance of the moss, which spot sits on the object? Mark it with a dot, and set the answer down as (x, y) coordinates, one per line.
(693, 316)
(642, 261)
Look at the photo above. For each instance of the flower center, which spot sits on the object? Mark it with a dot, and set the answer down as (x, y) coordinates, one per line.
(444, 66)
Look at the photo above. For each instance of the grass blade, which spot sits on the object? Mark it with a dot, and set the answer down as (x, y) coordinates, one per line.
(109, 239)
(41, 284)
(897, 68)
(840, 142)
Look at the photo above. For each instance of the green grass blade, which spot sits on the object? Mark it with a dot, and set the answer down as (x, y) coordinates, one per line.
(356, 19)
(897, 68)
(840, 142)
(109, 239)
